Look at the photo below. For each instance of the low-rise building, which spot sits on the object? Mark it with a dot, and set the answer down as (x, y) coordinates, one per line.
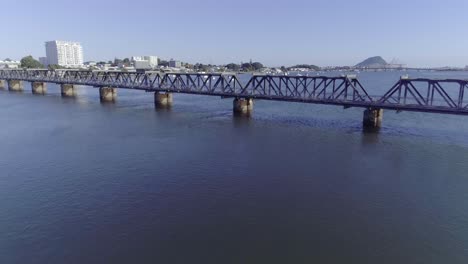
(175, 64)
(9, 64)
(145, 62)
(90, 63)
(142, 64)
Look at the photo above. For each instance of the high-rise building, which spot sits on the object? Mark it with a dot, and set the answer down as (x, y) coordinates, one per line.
(64, 53)
(43, 61)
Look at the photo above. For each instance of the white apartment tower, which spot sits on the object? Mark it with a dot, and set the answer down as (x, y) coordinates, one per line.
(64, 53)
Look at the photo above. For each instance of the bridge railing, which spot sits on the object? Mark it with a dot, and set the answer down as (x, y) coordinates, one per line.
(428, 94)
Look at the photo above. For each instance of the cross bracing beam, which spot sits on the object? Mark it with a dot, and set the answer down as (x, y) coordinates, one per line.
(307, 88)
(427, 95)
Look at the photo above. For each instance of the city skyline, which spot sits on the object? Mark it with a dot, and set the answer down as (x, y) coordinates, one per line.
(419, 34)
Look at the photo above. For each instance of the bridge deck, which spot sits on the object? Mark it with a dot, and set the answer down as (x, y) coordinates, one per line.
(420, 95)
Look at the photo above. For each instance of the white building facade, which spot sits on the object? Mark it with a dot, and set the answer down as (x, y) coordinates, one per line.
(64, 53)
(9, 64)
(145, 62)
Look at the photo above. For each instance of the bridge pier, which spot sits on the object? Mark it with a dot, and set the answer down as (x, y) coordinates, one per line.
(107, 94)
(162, 100)
(15, 85)
(242, 106)
(372, 118)
(2, 84)
(67, 90)
(38, 87)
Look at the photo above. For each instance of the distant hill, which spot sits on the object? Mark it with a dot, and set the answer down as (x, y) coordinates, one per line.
(372, 62)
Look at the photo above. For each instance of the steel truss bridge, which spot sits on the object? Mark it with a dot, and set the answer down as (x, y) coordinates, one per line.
(421, 95)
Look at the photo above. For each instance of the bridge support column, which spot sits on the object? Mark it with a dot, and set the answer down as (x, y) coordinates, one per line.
(67, 90)
(243, 106)
(2, 84)
(162, 100)
(372, 118)
(15, 85)
(38, 87)
(107, 94)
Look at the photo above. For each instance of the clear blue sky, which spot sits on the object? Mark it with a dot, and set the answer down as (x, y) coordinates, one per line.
(322, 32)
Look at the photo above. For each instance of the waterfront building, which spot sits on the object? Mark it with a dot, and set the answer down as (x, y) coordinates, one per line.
(64, 53)
(145, 62)
(142, 64)
(175, 64)
(9, 64)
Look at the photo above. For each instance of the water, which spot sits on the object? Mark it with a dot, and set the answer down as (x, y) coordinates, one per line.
(84, 182)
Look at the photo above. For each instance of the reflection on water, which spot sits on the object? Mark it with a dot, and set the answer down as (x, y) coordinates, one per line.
(370, 136)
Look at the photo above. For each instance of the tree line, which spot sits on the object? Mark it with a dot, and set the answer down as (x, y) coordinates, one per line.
(30, 62)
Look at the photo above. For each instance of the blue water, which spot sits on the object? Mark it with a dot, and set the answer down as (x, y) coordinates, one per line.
(85, 182)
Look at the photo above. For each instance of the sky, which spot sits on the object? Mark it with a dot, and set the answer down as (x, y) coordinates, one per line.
(418, 33)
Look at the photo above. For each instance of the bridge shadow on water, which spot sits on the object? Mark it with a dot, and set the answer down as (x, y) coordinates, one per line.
(240, 120)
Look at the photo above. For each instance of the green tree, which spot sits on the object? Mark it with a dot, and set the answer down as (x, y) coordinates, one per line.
(257, 66)
(30, 62)
(233, 66)
(247, 66)
(201, 67)
(306, 66)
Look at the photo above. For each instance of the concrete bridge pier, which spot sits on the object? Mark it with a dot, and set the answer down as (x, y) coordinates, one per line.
(38, 87)
(67, 90)
(107, 94)
(242, 106)
(372, 118)
(15, 85)
(2, 84)
(162, 100)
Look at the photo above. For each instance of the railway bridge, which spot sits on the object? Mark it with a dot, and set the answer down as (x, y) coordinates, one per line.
(444, 96)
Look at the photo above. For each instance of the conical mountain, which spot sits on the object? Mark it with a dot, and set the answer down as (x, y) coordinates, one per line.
(372, 62)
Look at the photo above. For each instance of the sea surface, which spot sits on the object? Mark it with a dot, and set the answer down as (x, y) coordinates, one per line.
(85, 182)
